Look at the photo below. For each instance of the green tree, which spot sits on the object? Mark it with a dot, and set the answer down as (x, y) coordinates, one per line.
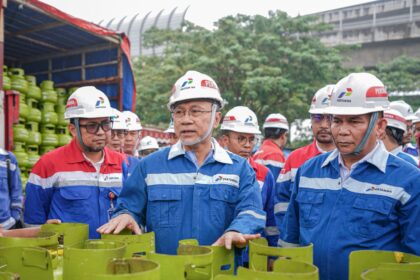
(401, 75)
(270, 64)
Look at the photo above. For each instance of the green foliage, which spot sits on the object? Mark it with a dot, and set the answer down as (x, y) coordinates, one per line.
(270, 64)
(401, 75)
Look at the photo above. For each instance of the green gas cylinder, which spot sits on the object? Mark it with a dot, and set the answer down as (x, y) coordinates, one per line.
(33, 155)
(23, 108)
(133, 269)
(61, 96)
(90, 257)
(34, 114)
(33, 90)
(7, 83)
(17, 76)
(49, 116)
(46, 149)
(20, 134)
(49, 138)
(63, 137)
(48, 92)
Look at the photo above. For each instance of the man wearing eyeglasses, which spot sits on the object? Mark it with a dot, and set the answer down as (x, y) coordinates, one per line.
(239, 128)
(80, 181)
(118, 132)
(322, 143)
(193, 189)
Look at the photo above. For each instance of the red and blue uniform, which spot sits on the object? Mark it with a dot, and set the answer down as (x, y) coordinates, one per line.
(271, 156)
(65, 185)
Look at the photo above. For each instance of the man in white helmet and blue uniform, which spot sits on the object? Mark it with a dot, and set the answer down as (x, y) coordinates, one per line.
(193, 189)
(359, 196)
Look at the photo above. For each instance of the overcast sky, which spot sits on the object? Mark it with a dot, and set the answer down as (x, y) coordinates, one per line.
(200, 12)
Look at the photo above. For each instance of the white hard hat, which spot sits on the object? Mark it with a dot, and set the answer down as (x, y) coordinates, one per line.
(417, 115)
(404, 108)
(276, 121)
(195, 85)
(241, 119)
(119, 121)
(148, 142)
(395, 119)
(88, 102)
(321, 100)
(133, 121)
(170, 128)
(358, 94)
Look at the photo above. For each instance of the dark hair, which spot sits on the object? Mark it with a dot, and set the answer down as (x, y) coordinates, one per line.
(273, 132)
(395, 134)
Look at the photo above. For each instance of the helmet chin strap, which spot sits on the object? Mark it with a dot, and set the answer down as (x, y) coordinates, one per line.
(208, 132)
(373, 118)
(79, 137)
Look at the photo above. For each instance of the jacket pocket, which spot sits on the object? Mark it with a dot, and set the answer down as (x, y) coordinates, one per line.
(75, 200)
(223, 200)
(310, 207)
(370, 216)
(164, 207)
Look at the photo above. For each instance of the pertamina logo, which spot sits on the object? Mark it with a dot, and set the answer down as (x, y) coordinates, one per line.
(325, 101)
(100, 103)
(187, 84)
(248, 120)
(342, 96)
(228, 179)
(377, 189)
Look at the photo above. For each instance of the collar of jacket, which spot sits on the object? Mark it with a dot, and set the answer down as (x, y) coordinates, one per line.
(74, 154)
(219, 154)
(378, 158)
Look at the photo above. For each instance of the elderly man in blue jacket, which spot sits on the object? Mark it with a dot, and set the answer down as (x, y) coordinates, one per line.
(193, 189)
(359, 196)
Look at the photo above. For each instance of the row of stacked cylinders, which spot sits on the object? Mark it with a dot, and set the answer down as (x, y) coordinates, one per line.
(41, 126)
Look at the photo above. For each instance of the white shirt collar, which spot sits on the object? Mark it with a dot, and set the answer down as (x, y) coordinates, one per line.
(378, 157)
(396, 151)
(219, 154)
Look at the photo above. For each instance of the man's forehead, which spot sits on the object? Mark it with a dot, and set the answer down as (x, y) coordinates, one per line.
(86, 120)
(193, 103)
(349, 117)
(243, 134)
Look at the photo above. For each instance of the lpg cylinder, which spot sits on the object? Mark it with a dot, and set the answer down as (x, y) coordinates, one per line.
(21, 155)
(49, 138)
(7, 83)
(33, 90)
(33, 155)
(48, 92)
(17, 76)
(34, 114)
(63, 137)
(61, 96)
(49, 116)
(20, 134)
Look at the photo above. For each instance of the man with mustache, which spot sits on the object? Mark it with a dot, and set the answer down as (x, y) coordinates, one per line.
(80, 181)
(239, 128)
(322, 143)
(193, 189)
(359, 196)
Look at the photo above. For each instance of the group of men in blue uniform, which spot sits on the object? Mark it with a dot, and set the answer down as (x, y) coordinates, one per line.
(349, 190)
